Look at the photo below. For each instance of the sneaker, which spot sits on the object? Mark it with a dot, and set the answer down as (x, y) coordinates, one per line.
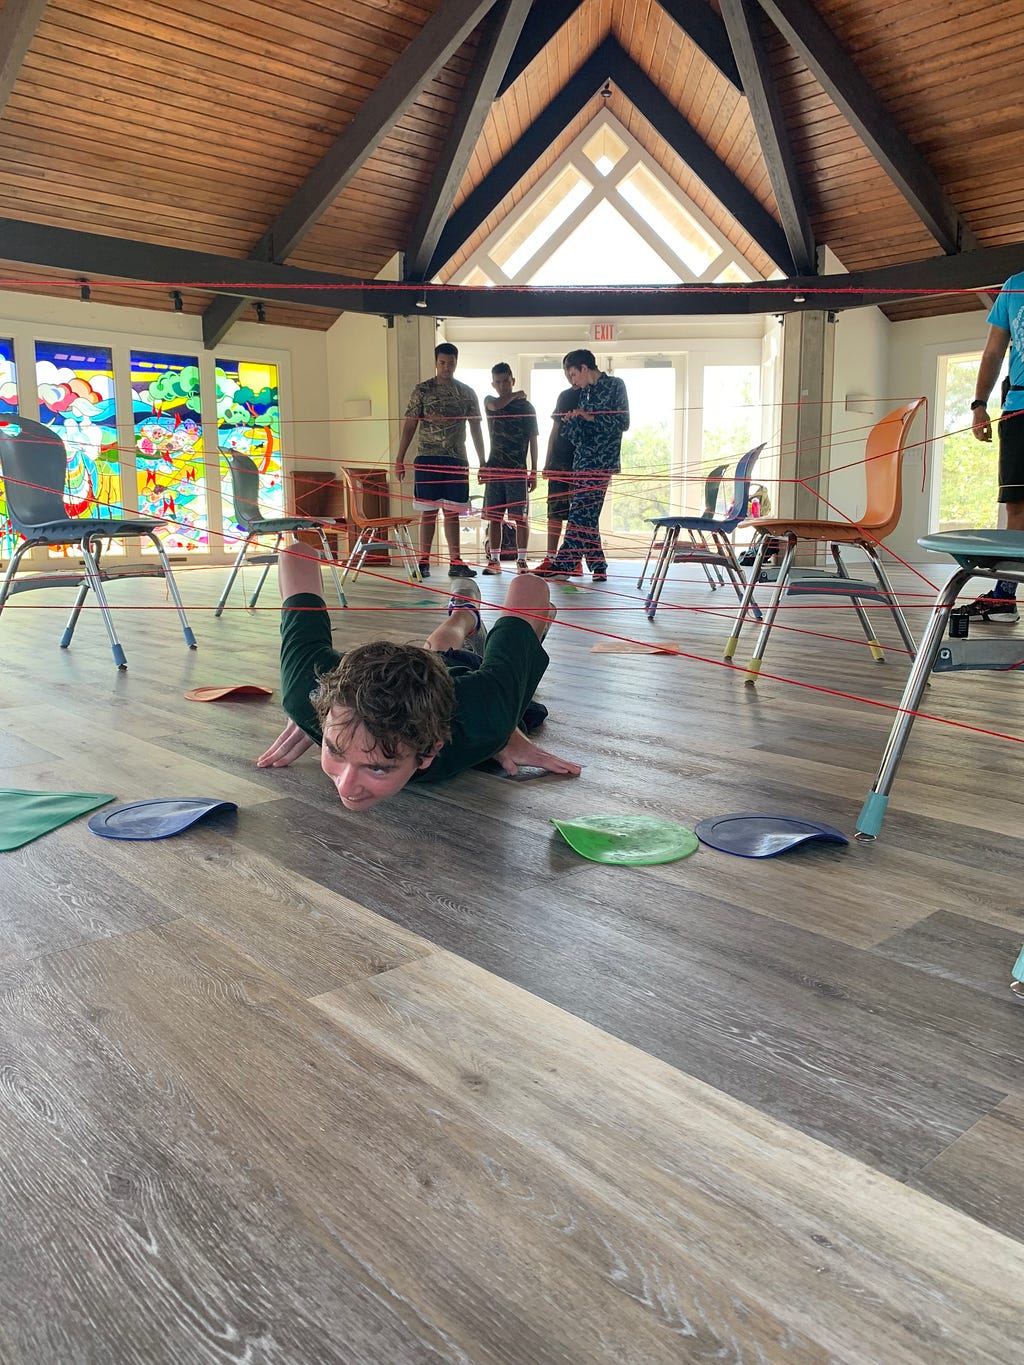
(424, 569)
(459, 570)
(545, 569)
(494, 566)
(599, 577)
(999, 611)
(468, 596)
(522, 566)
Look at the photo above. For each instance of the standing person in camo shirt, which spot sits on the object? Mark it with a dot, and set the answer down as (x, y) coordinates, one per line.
(438, 411)
(595, 428)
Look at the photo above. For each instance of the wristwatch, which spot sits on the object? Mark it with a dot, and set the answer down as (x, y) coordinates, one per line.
(979, 403)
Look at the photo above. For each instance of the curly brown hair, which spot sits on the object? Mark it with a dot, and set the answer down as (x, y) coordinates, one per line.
(401, 694)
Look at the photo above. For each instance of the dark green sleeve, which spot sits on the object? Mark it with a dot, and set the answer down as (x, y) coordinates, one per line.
(306, 654)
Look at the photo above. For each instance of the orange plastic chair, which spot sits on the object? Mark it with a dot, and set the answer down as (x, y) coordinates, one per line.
(381, 533)
(884, 452)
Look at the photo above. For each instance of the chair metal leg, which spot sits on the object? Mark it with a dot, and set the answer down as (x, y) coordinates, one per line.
(650, 551)
(869, 822)
(12, 569)
(92, 573)
(266, 569)
(877, 652)
(172, 588)
(76, 611)
(332, 566)
(734, 569)
(754, 667)
(234, 571)
(747, 600)
(894, 606)
(661, 569)
(409, 560)
(350, 562)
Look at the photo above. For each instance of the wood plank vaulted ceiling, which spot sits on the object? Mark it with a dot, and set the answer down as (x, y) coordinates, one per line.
(148, 146)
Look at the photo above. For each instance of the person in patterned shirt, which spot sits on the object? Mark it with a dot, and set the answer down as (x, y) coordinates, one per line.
(594, 427)
(438, 412)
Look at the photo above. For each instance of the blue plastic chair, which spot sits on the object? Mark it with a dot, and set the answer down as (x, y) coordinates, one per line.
(34, 463)
(709, 538)
(245, 490)
(980, 554)
(712, 490)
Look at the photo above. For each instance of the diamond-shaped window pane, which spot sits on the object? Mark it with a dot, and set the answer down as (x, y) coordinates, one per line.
(540, 221)
(605, 149)
(604, 249)
(676, 228)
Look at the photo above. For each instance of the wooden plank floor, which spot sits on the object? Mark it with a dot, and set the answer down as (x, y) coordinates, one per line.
(421, 1085)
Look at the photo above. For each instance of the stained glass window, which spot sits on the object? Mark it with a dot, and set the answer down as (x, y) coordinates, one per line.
(76, 400)
(8, 405)
(249, 423)
(169, 448)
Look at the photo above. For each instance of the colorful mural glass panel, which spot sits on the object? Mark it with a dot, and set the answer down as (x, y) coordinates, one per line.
(168, 430)
(8, 406)
(76, 400)
(249, 422)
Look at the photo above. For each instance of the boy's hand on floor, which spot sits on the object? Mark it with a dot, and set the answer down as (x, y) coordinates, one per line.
(289, 745)
(521, 752)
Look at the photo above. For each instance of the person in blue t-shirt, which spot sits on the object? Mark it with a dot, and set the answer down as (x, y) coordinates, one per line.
(1006, 328)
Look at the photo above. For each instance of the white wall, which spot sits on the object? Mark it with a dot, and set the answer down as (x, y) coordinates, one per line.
(357, 386)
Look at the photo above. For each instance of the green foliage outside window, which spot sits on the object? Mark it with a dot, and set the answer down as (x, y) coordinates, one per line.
(967, 496)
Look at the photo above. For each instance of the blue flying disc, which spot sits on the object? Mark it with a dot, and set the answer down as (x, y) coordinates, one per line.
(763, 836)
(155, 819)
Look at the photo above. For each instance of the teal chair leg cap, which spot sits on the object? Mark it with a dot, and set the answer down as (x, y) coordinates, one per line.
(872, 813)
(190, 637)
(1017, 971)
(119, 656)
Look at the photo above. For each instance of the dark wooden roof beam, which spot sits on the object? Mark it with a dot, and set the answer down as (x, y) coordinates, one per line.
(543, 23)
(805, 31)
(19, 20)
(704, 28)
(688, 144)
(502, 28)
(742, 21)
(441, 36)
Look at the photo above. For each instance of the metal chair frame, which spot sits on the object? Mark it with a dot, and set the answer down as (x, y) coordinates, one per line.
(884, 452)
(245, 485)
(33, 460)
(376, 532)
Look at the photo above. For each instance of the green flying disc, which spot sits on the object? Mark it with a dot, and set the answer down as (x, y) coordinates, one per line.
(627, 840)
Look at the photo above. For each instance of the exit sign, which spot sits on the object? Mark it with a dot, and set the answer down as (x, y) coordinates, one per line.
(602, 331)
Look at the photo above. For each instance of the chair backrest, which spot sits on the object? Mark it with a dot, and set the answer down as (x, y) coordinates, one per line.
(742, 479)
(359, 483)
(883, 455)
(712, 488)
(245, 489)
(34, 462)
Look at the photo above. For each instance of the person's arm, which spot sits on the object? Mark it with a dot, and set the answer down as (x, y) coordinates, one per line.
(496, 404)
(476, 436)
(298, 572)
(405, 440)
(531, 481)
(988, 373)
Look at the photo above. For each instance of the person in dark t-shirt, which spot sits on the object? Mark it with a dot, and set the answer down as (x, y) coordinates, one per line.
(512, 425)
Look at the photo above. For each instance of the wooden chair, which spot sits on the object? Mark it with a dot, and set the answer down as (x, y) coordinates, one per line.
(382, 533)
(33, 461)
(884, 452)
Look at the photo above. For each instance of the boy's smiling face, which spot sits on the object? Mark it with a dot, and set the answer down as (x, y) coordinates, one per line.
(361, 773)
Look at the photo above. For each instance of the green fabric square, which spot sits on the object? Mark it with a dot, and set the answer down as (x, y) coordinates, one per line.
(25, 816)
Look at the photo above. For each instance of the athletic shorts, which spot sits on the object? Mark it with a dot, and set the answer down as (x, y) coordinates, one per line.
(505, 495)
(1011, 457)
(440, 481)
